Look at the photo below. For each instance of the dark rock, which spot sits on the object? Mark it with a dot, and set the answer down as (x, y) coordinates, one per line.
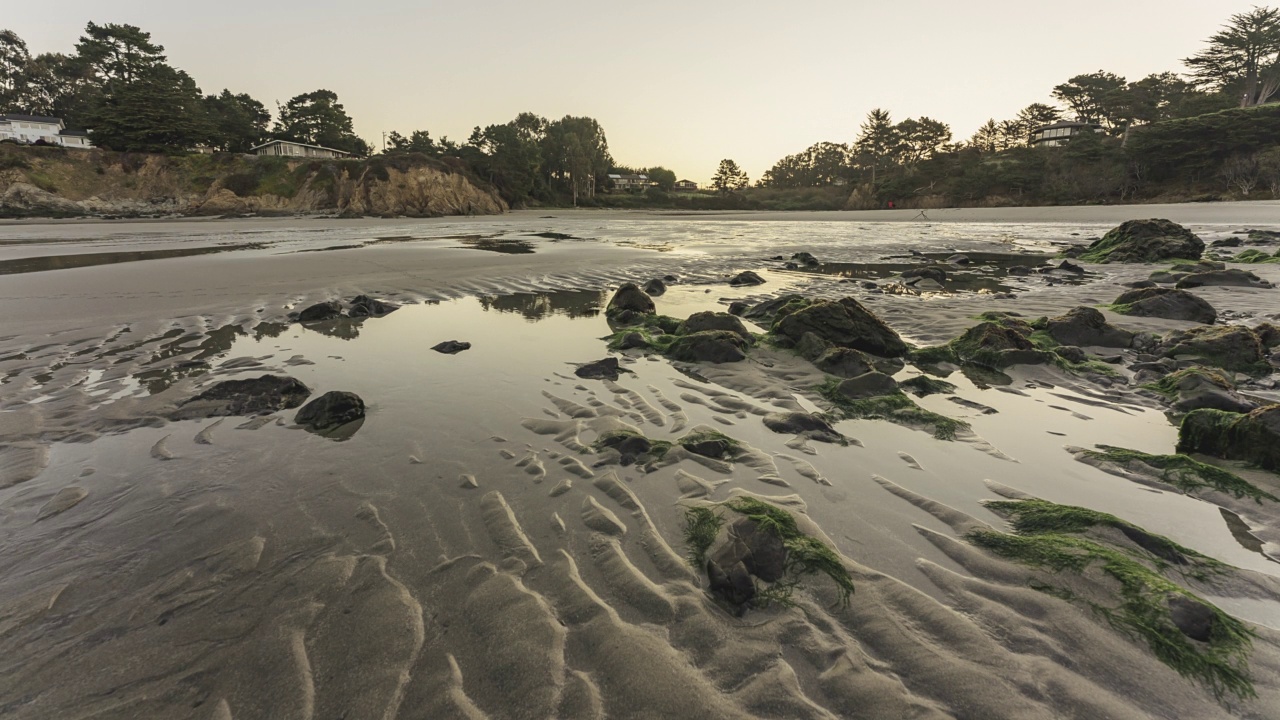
(714, 346)
(321, 311)
(1268, 335)
(845, 362)
(872, 384)
(1228, 278)
(1199, 390)
(451, 347)
(869, 285)
(630, 298)
(1252, 438)
(845, 324)
(746, 278)
(1167, 303)
(1086, 326)
(1068, 266)
(1145, 241)
(265, 394)
(806, 259)
(331, 410)
(630, 446)
(769, 309)
(1075, 251)
(999, 345)
(739, 308)
(1140, 284)
(958, 260)
(742, 552)
(1227, 242)
(1019, 270)
(811, 347)
(1231, 347)
(1164, 277)
(655, 287)
(365, 306)
(633, 341)
(1071, 353)
(1195, 619)
(703, 321)
(798, 423)
(668, 279)
(707, 444)
(606, 369)
(930, 272)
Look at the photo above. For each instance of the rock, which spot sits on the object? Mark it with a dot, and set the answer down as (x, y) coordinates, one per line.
(1071, 353)
(451, 347)
(958, 260)
(1019, 270)
(655, 287)
(1145, 241)
(926, 285)
(1228, 278)
(803, 424)
(1268, 335)
(633, 341)
(1227, 242)
(1231, 347)
(769, 309)
(806, 259)
(1195, 619)
(739, 308)
(23, 199)
(703, 321)
(321, 311)
(930, 272)
(1075, 251)
(630, 298)
(670, 279)
(1164, 277)
(1167, 303)
(606, 369)
(706, 442)
(741, 552)
(1068, 266)
(365, 306)
(261, 395)
(331, 410)
(714, 346)
(999, 345)
(1197, 389)
(872, 384)
(811, 347)
(629, 445)
(844, 362)
(1086, 326)
(1252, 438)
(746, 278)
(1140, 284)
(844, 324)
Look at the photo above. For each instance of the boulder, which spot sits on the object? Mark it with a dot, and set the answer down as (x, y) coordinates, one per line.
(811, 347)
(844, 362)
(1252, 438)
(1228, 278)
(332, 409)
(451, 347)
(742, 552)
(630, 298)
(1268, 335)
(713, 346)
(256, 396)
(1071, 353)
(703, 321)
(806, 259)
(1068, 266)
(928, 272)
(365, 306)
(1167, 303)
(1192, 617)
(1145, 241)
(739, 308)
(769, 309)
(958, 260)
(321, 311)
(1196, 389)
(872, 384)
(606, 369)
(844, 324)
(803, 424)
(631, 446)
(746, 278)
(1086, 326)
(1019, 270)
(655, 287)
(1231, 347)
(998, 345)
(632, 341)
(706, 442)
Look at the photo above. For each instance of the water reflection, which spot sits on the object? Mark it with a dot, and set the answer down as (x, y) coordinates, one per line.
(214, 344)
(498, 245)
(536, 306)
(67, 262)
(984, 271)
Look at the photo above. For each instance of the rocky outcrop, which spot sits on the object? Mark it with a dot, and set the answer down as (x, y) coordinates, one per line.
(703, 321)
(1086, 326)
(256, 396)
(1231, 347)
(606, 369)
(1145, 241)
(630, 298)
(713, 346)
(746, 278)
(804, 425)
(331, 410)
(1166, 303)
(1252, 438)
(867, 385)
(845, 323)
(1224, 278)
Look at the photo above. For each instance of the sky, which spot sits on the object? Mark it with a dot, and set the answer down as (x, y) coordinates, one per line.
(677, 84)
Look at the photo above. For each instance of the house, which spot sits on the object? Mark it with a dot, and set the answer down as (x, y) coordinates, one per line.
(1060, 133)
(630, 183)
(686, 186)
(28, 129)
(286, 148)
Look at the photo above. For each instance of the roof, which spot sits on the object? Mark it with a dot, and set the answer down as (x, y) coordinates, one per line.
(686, 182)
(614, 176)
(1067, 124)
(31, 118)
(81, 133)
(290, 142)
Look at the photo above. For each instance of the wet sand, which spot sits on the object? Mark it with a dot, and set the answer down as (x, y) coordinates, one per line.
(466, 553)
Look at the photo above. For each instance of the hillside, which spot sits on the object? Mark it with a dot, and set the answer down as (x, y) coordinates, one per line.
(56, 182)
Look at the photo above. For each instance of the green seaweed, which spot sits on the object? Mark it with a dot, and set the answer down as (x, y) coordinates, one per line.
(806, 555)
(1186, 473)
(1168, 385)
(1255, 256)
(701, 525)
(895, 407)
(923, 385)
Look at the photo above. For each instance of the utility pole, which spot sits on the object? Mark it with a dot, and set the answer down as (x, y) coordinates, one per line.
(384, 142)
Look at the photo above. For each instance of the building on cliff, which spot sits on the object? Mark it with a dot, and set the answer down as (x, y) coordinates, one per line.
(1060, 133)
(287, 148)
(630, 183)
(686, 186)
(31, 129)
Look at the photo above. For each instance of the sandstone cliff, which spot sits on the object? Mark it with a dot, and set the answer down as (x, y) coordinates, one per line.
(55, 182)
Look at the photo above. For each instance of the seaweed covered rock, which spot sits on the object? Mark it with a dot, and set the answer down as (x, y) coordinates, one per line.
(1087, 326)
(606, 369)
(704, 321)
(746, 278)
(1268, 335)
(742, 552)
(1224, 278)
(331, 410)
(872, 384)
(998, 345)
(1231, 347)
(845, 362)
(631, 298)
(321, 312)
(1252, 437)
(928, 272)
(365, 306)
(845, 323)
(1198, 388)
(769, 310)
(806, 425)
(1145, 241)
(708, 442)
(256, 396)
(713, 346)
(1167, 303)
(806, 259)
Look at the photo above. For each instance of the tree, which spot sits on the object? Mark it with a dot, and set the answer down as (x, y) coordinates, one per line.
(1092, 97)
(236, 122)
(116, 55)
(1038, 114)
(664, 178)
(987, 138)
(877, 139)
(920, 139)
(317, 118)
(509, 157)
(1242, 172)
(729, 177)
(419, 141)
(14, 59)
(575, 153)
(54, 85)
(160, 110)
(1243, 57)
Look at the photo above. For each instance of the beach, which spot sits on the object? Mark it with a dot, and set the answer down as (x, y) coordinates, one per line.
(475, 547)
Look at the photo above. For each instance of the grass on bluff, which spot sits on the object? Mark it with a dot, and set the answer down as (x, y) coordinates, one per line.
(1046, 535)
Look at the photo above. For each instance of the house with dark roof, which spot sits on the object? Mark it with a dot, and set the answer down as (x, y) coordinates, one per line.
(1060, 133)
(630, 182)
(686, 186)
(288, 148)
(30, 129)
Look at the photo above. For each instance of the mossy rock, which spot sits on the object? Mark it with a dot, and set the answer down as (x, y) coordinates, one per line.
(1253, 437)
(843, 324)
(1145, 241)
(713, 346)
(1166, 303)
(1230, 347)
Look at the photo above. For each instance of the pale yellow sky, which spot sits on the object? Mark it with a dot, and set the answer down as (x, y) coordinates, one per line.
(679, 84)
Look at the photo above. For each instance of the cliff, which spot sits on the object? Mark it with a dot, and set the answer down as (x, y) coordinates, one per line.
(57, 182)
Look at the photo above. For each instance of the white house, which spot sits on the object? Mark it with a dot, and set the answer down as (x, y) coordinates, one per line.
(286, 148)
(630, 183)
(29, 129)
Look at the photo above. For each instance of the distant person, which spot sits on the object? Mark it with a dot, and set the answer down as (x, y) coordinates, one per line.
(890, 204)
